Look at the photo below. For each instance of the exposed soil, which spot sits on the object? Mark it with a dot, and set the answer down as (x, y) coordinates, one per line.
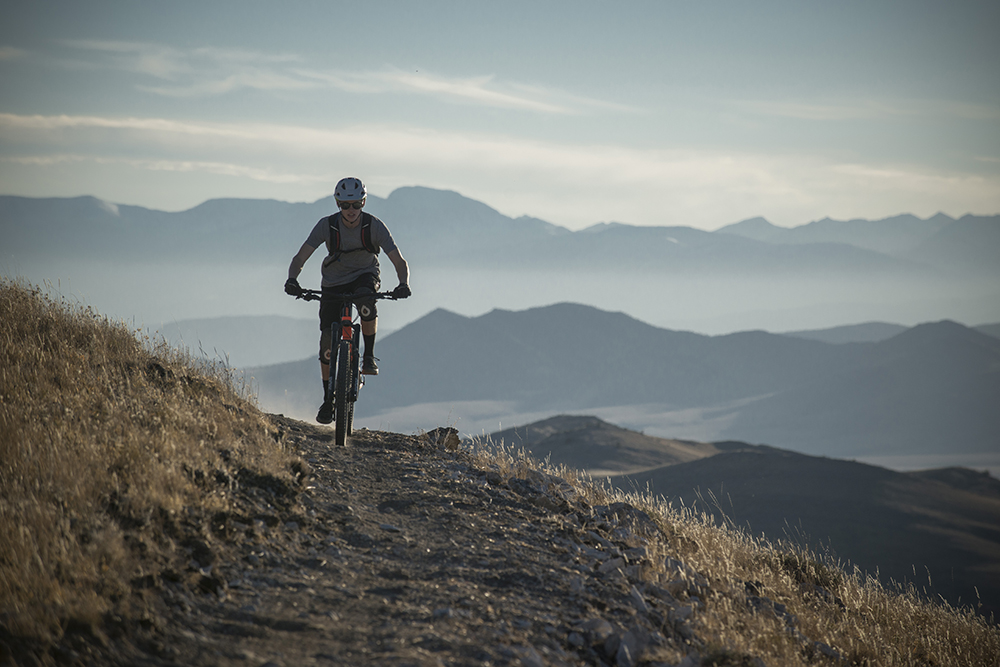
(395, 551)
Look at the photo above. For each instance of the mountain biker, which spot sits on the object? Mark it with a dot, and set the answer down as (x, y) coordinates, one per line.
(352, 267)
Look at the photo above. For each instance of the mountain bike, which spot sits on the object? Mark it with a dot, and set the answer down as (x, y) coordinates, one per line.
(345, 379)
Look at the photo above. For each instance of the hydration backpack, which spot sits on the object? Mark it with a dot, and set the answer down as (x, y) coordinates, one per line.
(333, 243)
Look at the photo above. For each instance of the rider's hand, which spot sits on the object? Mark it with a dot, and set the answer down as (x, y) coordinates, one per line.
(402, 291)
(292, 287)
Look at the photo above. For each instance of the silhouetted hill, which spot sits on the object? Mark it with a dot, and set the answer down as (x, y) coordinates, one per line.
(891, 523)
(934, 387)
(591, 444)
(570, 356)
(758, 229)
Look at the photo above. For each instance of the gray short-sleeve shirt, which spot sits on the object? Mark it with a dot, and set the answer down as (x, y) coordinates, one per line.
(342, 268)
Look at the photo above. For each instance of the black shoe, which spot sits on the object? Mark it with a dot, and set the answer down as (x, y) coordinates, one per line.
(368, 366)
(325, 414)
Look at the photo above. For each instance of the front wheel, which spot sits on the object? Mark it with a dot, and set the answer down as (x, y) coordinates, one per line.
(344, 406)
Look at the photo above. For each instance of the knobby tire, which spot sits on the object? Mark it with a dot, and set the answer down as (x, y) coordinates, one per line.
(343, 406)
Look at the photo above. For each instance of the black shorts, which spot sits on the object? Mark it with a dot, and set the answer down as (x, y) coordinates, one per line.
(329, 308)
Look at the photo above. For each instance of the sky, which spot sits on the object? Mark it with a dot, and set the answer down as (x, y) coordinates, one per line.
(649, 113)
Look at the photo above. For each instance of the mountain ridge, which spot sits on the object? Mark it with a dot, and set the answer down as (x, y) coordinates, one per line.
(438, 224)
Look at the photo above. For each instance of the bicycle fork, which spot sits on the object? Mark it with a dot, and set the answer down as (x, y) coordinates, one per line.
(358, 378)
(352, 332)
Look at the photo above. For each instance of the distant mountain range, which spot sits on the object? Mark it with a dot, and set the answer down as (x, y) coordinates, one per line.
(229, 257)
(933, 388)
(969, 243)
(897, 236)
(900, 526)
(434, 225)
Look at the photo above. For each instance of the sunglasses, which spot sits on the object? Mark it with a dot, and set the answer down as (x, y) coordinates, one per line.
(350, 204)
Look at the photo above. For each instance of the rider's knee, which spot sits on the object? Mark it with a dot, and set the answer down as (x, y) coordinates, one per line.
(367, 310)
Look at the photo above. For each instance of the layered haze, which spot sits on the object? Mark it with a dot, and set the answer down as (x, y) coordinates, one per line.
(230, 258)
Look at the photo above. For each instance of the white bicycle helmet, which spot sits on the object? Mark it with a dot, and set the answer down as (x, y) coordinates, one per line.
(350, 189)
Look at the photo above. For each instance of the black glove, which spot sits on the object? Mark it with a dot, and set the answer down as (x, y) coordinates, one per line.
(292, 287)
(402, 291)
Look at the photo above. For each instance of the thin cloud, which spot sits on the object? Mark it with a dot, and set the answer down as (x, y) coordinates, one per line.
(476, 90)
(484, 90)
(266, 175)
(262, 174)
(203, 72)
(251, 79)
(196, 72)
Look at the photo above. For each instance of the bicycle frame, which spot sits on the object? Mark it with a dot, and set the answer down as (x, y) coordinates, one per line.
(345, 380)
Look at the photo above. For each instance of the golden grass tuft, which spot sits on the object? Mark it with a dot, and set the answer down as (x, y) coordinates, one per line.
(856, 616)
(105, 435)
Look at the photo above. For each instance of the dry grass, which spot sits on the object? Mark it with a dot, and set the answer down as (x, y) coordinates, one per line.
(105, 437)
(856, 616)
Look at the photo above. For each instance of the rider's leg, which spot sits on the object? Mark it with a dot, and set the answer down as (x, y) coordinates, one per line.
(368, 331)
(326, 315)
(369, 324)
(368, 364)
(324, 371)
(325, 414)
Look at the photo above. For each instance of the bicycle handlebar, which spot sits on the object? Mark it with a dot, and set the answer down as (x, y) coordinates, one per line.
(317, 295)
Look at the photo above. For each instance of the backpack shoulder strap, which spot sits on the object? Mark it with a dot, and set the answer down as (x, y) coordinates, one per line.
(333, 242)
(366, 234)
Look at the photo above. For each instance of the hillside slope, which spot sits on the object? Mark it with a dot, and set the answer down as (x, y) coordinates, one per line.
(901, 527)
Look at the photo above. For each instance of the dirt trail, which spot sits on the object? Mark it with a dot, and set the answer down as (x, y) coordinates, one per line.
(396, 552)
